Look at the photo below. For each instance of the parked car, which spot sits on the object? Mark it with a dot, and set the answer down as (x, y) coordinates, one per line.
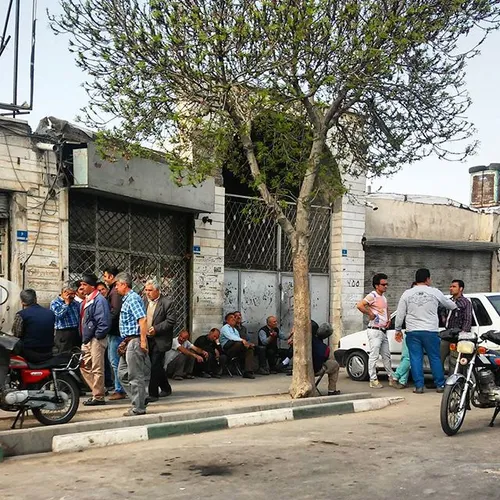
(354, 348)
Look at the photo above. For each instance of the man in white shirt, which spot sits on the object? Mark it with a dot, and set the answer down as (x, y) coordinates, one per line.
(179, 361)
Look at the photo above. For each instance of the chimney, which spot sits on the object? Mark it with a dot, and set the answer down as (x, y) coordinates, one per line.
(485, 185)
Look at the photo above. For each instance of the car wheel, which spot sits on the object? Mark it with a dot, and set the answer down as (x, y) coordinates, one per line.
(357, 365)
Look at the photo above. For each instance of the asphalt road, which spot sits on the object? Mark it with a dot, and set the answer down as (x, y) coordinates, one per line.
(398, 452)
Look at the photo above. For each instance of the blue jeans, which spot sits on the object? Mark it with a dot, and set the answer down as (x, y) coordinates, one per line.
(418, 342)
(113, 342)
(403, 371)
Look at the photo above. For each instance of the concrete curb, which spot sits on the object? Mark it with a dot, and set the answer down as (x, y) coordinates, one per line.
(39, 439)
(86, 440)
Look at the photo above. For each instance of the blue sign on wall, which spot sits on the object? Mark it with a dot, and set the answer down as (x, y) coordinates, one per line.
(344, 252)
(196, 250)
(22, 236)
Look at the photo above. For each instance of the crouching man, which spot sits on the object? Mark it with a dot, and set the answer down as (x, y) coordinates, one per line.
(134, 368)
(323, 362)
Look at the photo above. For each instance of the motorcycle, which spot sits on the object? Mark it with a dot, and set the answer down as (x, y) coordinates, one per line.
(475, 381)
(48, 389)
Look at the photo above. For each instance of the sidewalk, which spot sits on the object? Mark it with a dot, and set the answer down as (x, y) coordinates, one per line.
(195, 406)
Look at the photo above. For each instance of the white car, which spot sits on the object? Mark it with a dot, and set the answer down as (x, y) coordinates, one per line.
(354, 348)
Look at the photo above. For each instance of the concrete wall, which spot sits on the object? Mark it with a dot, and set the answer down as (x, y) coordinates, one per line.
(426, 221)
(208, 269)
(27, 174)
(347, 258)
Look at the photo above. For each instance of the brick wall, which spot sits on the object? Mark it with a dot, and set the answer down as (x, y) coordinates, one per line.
(347, 257)
(208, 269)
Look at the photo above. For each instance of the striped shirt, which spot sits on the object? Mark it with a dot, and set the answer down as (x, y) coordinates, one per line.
(67, 315)
(132, 311)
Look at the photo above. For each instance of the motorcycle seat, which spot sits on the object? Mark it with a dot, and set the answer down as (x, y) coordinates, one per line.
(55, 362)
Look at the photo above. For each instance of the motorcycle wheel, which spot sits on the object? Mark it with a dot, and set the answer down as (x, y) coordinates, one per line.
(451, 417)
(66, 384)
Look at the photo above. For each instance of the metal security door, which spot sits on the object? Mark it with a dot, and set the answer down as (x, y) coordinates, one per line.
(149, 242)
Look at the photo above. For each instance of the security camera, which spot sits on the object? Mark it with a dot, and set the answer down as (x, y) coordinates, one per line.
(371, 205)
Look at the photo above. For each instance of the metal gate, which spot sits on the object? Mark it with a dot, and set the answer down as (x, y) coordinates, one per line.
(258, 264)
(149, 242)
(400, 264)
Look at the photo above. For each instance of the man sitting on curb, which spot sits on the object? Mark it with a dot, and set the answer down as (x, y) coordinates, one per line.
(323, 361)
(179, 361)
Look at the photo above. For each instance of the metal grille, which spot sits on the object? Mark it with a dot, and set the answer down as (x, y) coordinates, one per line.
(255, 241)
(3, 248)
(145, 241)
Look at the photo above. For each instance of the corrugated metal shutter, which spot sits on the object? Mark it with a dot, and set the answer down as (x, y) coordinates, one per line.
(4, 205)
(400, 264)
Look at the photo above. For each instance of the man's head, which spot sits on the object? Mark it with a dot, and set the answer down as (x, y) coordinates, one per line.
(152, 289)
(380, 283)
(88, 283)
(237, 317)
(183, 336)
(68, 289)
(272, 322)
(123, 283)
(102, 288)
(28, 297)
(213, 334)
(110, 274)
(423, 277)
(457, 288)
(230, 319)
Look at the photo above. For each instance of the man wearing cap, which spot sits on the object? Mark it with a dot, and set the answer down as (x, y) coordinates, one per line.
(95, 322)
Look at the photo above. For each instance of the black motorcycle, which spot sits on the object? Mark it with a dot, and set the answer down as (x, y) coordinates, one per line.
(475, 381)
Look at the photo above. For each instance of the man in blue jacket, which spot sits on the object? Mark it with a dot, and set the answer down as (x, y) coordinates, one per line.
(95, 322)
(322, 361)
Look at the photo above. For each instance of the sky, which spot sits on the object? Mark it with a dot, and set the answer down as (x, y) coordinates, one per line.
(58, 92)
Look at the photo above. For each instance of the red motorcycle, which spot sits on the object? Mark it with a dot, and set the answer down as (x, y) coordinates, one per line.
(48, 389)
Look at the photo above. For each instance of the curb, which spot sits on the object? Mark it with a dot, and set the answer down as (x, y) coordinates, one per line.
(39, 439)
(99, 439)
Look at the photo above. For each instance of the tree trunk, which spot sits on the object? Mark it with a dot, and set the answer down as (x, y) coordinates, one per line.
(303, 374)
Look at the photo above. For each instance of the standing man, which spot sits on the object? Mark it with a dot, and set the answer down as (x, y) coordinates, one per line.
(234, 346)
(80, 293)
(67, 313)
(134, 369)
(268, 345)
(95, 322)
(374, 305)
(460, 318)
(419, 307)
(160, 316)
(114, 339)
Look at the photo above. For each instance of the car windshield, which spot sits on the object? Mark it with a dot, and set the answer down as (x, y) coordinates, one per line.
(495, 302)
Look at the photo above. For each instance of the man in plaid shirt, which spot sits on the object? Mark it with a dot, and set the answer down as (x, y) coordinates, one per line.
(460, 318)
(67, 313)
(134, 368)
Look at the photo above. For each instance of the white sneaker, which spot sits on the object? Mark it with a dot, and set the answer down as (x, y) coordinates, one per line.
(375, 384)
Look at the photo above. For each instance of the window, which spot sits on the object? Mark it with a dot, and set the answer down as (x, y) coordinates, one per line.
(495, 302)
(483, 318)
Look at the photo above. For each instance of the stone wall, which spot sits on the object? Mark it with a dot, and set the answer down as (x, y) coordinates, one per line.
(37, 205)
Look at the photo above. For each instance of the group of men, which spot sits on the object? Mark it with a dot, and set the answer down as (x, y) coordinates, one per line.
(419, 308)
(104, 320)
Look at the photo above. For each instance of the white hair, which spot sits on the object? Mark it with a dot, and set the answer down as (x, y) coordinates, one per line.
(154, 283)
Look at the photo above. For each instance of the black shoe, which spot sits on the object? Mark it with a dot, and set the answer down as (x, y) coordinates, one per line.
(165, 394)
(151, 399)
(248, 375)
(215, 375)
(418, 390)
(440, 389)
(94, 402)
(333, 393)
(206, 375)
(289, 373)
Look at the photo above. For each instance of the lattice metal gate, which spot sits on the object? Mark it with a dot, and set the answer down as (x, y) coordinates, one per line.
(258, 263)
(148, 242)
